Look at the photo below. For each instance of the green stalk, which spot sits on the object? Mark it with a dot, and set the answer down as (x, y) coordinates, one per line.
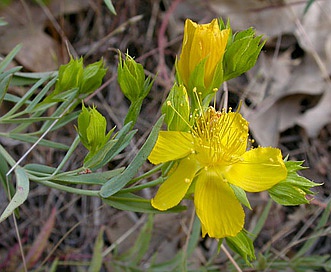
(67, 188)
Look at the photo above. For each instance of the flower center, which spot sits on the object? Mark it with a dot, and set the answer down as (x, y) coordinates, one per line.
(221, 137)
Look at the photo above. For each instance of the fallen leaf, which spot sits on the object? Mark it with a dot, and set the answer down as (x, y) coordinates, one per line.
(39, 52)
(316, 118)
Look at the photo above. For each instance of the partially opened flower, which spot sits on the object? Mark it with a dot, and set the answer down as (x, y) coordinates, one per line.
(202, 52)
(213, 158)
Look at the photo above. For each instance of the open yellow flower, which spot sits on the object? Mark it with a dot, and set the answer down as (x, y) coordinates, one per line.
(200, 42)
(214, 155)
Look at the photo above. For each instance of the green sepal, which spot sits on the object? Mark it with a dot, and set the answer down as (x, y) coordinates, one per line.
(226, 26)
(293, 190)
(241, 195)
(242, 245)
(69, 76)
(93, 75)
(241, 53)
(177, 109)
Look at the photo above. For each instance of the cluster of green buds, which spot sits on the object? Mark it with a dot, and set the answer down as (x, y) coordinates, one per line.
(76, 81)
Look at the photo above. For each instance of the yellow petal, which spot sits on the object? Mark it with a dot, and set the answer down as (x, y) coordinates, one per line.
(201, 41)
(171, 145)
(233, 133)
(184, 59)
(218, 209)
(172, 191)
(208, 41)
(260, 169)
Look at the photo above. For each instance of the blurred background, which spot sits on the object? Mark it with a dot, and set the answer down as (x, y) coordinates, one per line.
(286, 98)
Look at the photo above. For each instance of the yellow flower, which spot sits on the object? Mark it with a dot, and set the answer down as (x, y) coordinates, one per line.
(213, 155)
(202, 41)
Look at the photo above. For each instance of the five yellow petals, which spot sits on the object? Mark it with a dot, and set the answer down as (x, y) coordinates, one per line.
(213, 155)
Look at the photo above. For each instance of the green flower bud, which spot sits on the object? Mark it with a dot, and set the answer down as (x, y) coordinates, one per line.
(201, 58)
(294, 189)
(131, 78)
(92, 130)
(70, 75)
(92, 77)
(74, 75)
(241, 53)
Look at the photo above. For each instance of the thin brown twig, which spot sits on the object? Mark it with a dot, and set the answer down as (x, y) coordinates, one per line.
(227, 253)
(162, 40)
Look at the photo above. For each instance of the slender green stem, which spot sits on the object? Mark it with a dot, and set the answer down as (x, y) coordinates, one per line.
(128, 199)
(67, 188)
(147, 174)
(67, 156)
(143, 186)
(40, 177)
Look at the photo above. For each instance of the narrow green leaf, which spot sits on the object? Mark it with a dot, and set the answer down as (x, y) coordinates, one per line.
(89, 179)
(194, 238)
(39, 168)
(123, 138)
(32, 139)
(54, 266)
(115, 184)
(5, 62)
(110, 6)
(4, 86)
(65, 120)
(261, 222)
(308, 5)
(241, 196)
(134, 203)
(10, 71)
(23, 100)
(13, 98)
(40, 96)
(23, 78)
(136, 253)
(94, 160)
(3, 179)
(22, 191)
(96, 262)
(27, 120)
